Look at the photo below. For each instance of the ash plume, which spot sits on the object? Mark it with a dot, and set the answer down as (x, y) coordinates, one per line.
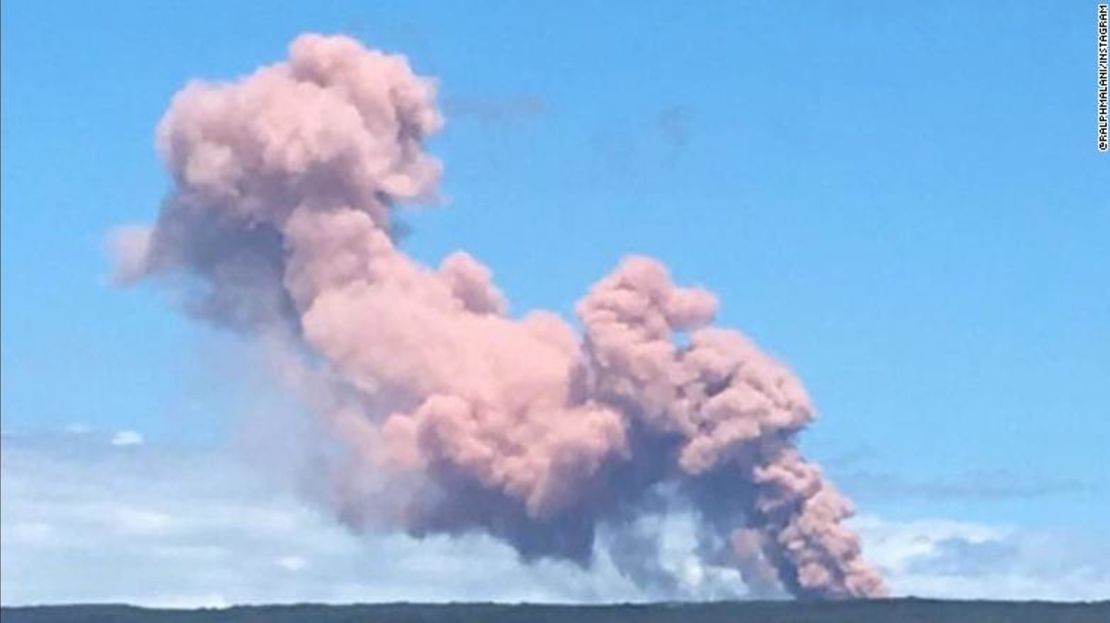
(454, 416)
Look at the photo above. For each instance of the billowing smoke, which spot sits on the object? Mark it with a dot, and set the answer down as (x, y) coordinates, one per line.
(454, 416)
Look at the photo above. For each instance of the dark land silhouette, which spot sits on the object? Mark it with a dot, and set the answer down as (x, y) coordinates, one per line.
(877, 611)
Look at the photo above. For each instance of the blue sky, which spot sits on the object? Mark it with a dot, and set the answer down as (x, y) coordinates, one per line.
(905, 204)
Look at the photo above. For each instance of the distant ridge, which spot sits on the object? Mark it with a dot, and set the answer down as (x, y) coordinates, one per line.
(908, 610)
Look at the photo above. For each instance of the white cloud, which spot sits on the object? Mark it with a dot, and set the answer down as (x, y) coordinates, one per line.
(29, 533)
(138, 521)
(161, 526)
(291, 563)
(127, 438)
(83, 522)
(966, 560)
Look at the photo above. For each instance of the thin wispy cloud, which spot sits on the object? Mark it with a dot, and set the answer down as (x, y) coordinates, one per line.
(127, 438)
(495, 110)
(979, 485)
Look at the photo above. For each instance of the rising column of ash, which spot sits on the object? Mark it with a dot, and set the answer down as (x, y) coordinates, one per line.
(280, 226)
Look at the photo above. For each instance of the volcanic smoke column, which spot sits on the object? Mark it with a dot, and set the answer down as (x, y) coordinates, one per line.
(466, 418)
